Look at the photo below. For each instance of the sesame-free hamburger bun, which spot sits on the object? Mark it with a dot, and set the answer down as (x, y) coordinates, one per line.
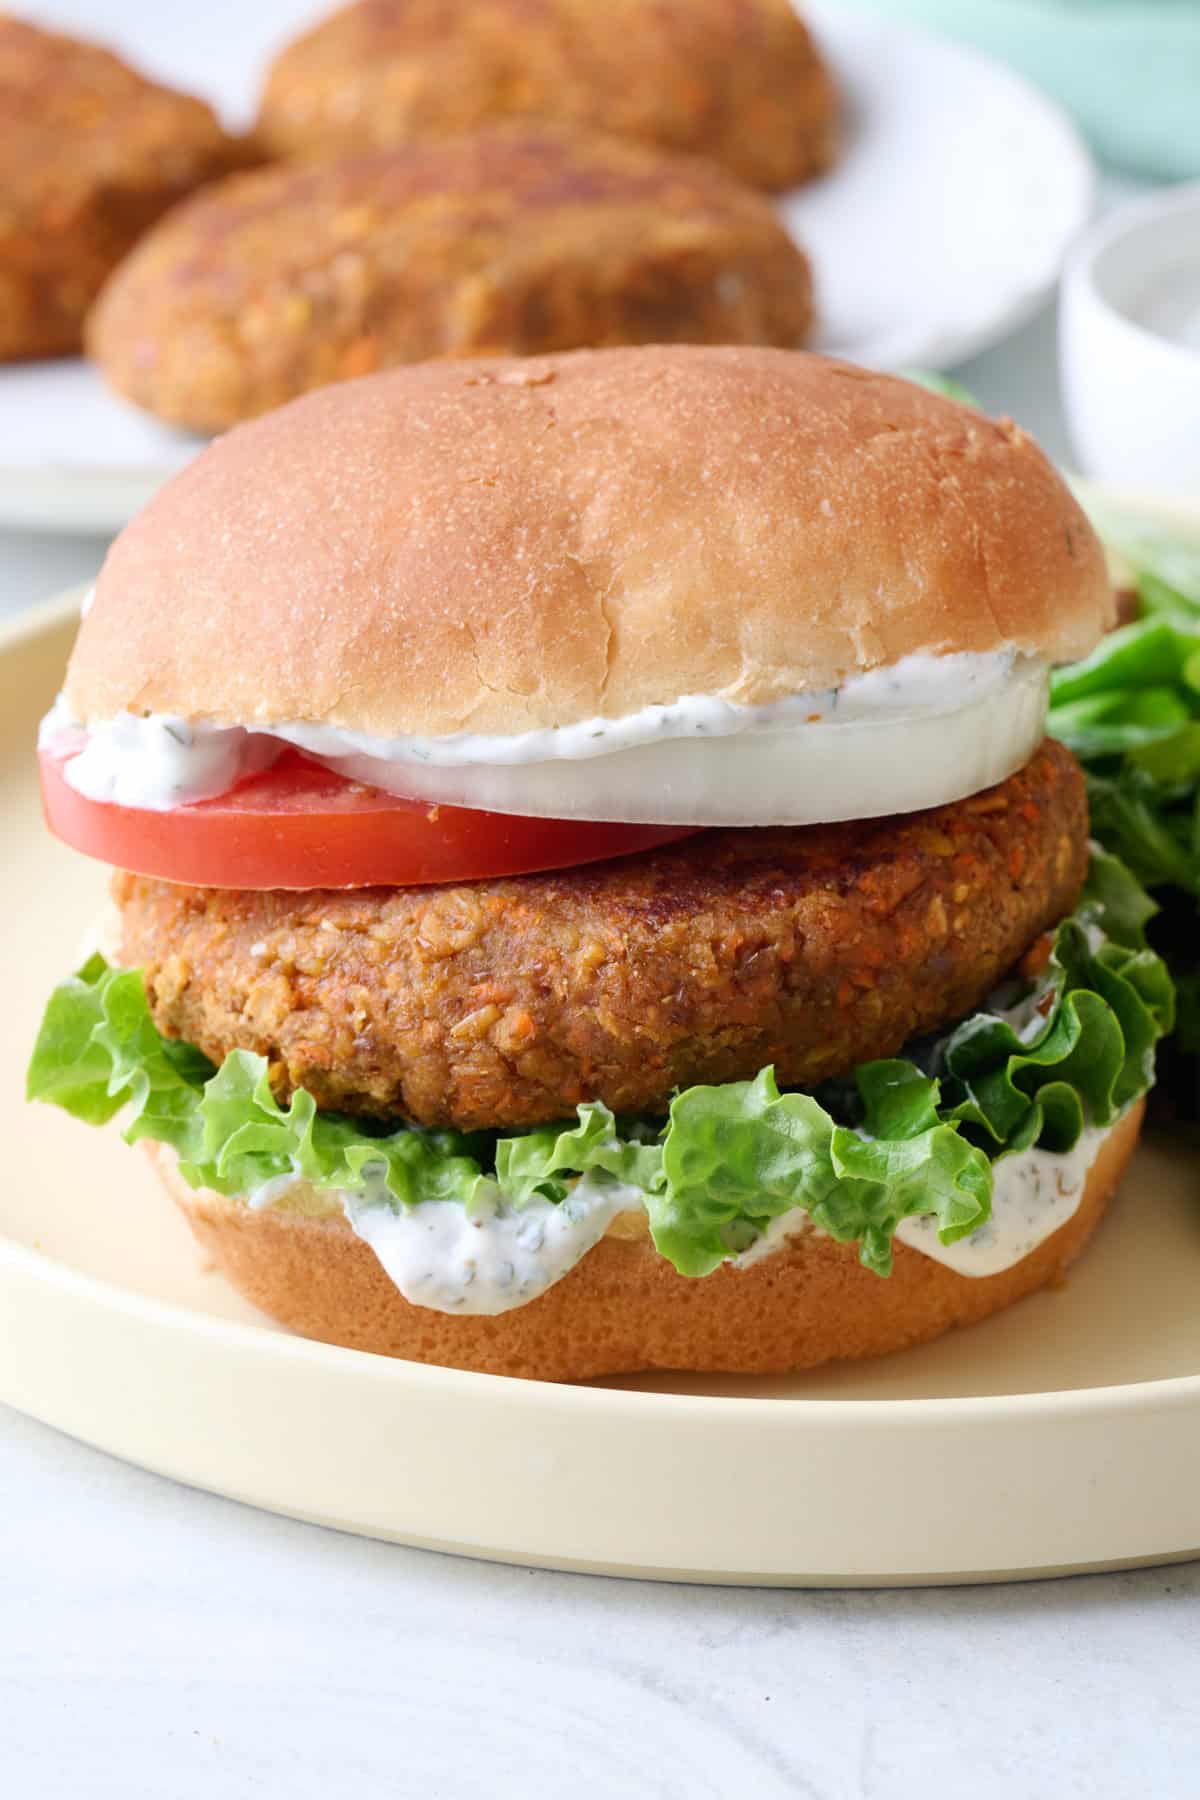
(623, 1308)
(867, 1015)
(501, 546)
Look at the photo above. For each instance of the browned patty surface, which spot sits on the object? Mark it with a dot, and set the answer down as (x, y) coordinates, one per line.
(507, 1002)
(737, 80)
(91, 153)
(519, 238)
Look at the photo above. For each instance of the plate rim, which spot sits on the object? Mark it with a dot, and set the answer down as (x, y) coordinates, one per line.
(41, 616)
(782, 1412)
(959, 344)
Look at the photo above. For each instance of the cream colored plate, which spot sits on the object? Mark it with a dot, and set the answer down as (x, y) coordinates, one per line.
(1063, 1435)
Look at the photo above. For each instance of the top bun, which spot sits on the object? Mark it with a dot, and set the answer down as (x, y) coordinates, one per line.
(503, 545)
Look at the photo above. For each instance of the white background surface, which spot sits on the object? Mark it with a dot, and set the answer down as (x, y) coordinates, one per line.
(158, 1641)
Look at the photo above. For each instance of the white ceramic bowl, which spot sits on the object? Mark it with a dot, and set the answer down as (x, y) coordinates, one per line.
(1130, 344)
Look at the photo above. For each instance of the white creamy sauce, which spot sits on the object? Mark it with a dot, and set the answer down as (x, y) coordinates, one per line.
(888, 738)
(500, 1256)
(775, 1235)
(488, 1261)
(1033, 1193)
(1026, 1017)
(1095, 934)
(156, 762)
(270, 1193)
(920, 683)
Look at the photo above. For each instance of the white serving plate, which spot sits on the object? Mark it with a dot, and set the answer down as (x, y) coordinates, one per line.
(942, 227)
(1062, 1435)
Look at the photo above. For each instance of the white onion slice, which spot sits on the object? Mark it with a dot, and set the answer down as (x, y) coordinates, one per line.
(926, 731)
(799, 775)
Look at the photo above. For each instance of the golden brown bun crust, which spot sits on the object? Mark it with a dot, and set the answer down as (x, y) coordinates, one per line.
(500, 545)
(518, 240)
(91, 153)
(624, 1308)
(738, 80)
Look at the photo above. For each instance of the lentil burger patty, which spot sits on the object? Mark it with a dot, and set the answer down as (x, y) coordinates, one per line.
(91, 154)
(506, 1002)
(526, 238)
(739, 81)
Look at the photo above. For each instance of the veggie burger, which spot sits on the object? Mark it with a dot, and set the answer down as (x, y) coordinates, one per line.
(593, 891)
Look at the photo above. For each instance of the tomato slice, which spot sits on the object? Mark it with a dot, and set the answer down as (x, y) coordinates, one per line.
(298, 825)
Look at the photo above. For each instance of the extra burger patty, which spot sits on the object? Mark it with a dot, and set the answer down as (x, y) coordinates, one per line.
(530, 238)
(506, 1002)
(91, 154)
(739, 81)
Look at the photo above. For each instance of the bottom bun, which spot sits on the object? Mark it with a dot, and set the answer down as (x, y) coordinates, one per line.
(624, 1308)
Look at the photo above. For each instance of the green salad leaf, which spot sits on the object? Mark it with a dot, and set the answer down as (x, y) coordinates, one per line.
(99, 1051)
(945, 385)
(737, 1156)
(1079, 1045)
(1131, 713)
(914, 1134)
(1165, 559)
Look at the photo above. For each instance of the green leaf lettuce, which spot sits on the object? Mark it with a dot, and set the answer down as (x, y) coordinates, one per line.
(1131, 713)
(915, 1134)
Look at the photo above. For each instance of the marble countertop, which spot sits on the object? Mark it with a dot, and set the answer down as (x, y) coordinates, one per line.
(156, 1640)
